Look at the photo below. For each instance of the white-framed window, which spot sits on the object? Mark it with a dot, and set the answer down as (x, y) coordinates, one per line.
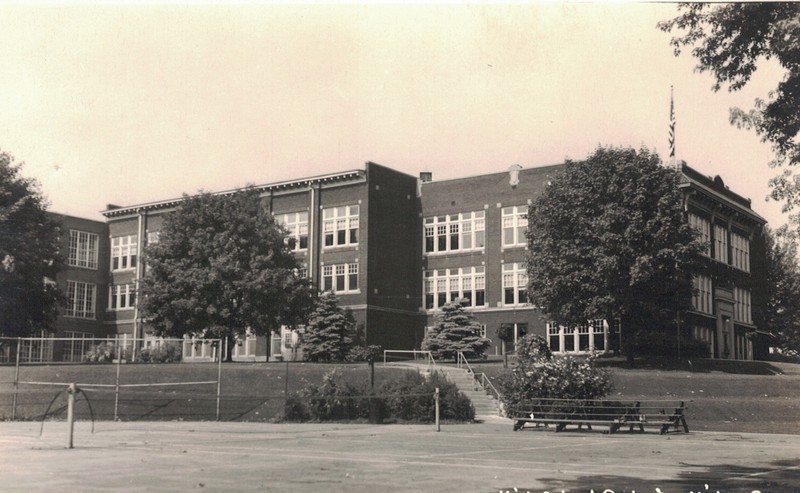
(462, 232)
(515, 284)
(340, 226)
(153, 237)
(82, 249)
(721, 243)
(121, 297)
(701, 299)
(78, 344)
(444, 285)
(81, 297)
(590, 336)
(124, 250)
(296, 223)
(740, 247)
(340, 278)
(742, 308)
(703, 227)
(515, 224)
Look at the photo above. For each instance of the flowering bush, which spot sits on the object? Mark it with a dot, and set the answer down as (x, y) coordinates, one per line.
(537, 375)
(168, 352)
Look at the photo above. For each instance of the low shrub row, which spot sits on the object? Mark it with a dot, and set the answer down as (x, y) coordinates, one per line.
(408, 397)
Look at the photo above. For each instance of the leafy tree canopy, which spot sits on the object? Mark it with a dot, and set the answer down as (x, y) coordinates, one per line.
(222, 266)
(775, 304)
(329, 331)
(28, 255)
(607, 238)
(728, 40)
(456, 330)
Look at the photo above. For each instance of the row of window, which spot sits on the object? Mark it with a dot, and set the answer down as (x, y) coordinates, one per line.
(445, 285)
(83, 249)
(82, 298)
(739, 255)
(702, 300)
(466, 231)
(340, 278)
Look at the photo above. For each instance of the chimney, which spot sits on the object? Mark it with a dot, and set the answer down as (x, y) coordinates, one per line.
(425, 176)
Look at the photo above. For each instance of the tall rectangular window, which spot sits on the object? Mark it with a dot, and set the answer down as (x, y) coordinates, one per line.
(296, 223)
(82, 249)
(124, 250)
(340, 278)
(740, 247)
(447, 285)
(515, 284)
(742, 311)
(703, 227)
(340, 225)
(121, 297)
(721, 243)
(454, 232)
(81, 297)
(515, 224)
(701, 300)
(78, 345)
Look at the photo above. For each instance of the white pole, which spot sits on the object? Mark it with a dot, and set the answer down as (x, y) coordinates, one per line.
(116, 388)
(219, 377)
(16, 381)
(436, 401)
(70, 413)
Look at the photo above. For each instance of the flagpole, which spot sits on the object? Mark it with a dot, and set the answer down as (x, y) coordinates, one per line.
(672, 159)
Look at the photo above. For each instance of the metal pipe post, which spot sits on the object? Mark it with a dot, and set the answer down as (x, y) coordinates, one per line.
(219, 376)
(436, 401)
(116, 387)
(70, 413)
(16, 381)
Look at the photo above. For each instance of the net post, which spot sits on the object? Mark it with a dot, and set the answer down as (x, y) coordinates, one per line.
(16, 381)
(70, 414)
(436, 405)
(116, 387)
(219, 374)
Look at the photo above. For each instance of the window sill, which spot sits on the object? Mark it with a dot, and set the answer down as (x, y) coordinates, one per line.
(70, 266)
(454, 252)
(76, 317)
(127, 309)
(339, 247)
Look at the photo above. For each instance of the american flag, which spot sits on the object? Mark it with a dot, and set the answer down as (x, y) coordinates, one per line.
(671, 126)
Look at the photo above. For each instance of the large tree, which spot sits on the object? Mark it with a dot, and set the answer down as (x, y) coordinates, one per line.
(222, 266)
(608, 239)
(28, 255)
(775, 305)
(729, 41)
(456, 330)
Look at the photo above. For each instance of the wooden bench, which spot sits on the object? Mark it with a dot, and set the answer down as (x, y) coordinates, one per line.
(613, 414)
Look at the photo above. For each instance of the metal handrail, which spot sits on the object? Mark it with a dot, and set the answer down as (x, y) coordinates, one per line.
(484, 383)
(428, 356)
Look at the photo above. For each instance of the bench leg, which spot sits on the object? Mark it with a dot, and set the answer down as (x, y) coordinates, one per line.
(685, 426)
(518, 425)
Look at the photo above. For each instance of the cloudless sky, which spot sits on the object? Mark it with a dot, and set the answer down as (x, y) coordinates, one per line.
(132, 104)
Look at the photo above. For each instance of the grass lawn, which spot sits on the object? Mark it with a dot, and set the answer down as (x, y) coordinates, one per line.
(255, 392)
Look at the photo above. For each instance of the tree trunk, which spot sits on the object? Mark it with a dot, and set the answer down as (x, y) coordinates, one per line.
(229, 342)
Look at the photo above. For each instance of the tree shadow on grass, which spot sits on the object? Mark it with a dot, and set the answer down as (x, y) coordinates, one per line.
(777, 477)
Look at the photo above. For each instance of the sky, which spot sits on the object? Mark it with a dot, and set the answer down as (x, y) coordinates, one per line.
(129, 104)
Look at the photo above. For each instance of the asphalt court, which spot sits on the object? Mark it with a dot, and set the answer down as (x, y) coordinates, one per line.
(485, 457)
